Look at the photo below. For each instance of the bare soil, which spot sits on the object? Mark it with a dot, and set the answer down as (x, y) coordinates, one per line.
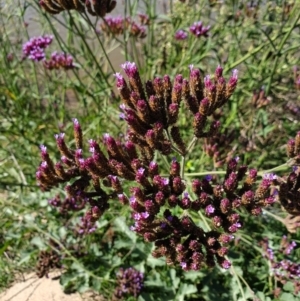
(32, 288)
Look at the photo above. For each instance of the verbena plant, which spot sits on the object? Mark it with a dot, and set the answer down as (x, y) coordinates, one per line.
(181, 179)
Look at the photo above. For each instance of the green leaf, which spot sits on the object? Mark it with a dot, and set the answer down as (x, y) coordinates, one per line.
(37, 241)
(123, 227)
(289, 287)
(155, 262)
(174, 278)
(184, 290)
(288, 297)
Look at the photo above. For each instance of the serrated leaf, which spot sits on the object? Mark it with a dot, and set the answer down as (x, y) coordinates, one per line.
(96, 284)
(155, 262)
(192, 275)
(289, 287)
(37, 241)
(25, 258)
(84, 286)
(261, 296)
(123, 227)
(175, 280)
(184, 290)
(77, 266)
(288, 297)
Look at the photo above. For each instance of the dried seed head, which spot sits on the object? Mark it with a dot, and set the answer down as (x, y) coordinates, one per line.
(95, 8)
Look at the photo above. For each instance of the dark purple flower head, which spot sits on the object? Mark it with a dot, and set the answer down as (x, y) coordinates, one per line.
(199, 30)
(120, 80)
(233, 79)
(225, 238)
(234, 227)
(208, 82)
(78, 153)
(209, 210)
(141, 216)
(59, 60)
(59, 136)
(226, 264)
(287, 246)
(43, 149)
(253, 173)
(269, 176)
(123, 199)
(180, 35)
(130, 69)
(130, 282)
(118, 25)
(208, 177)
(218, 72)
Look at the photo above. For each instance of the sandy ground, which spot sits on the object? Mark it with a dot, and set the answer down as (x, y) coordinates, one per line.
(32, 288)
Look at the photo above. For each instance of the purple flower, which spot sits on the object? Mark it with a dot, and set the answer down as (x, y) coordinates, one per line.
(226, 264)
(209, 210)
(34, 48)
(233, 79)
(183, 265)
(114, 25)
(208, 177)
(118, 25)
(163, 225)
(43, 149)
(199, 30)
(120, 80)
(180, 35)
(269, 176)
(59, 60)
(130, 282)
(130, 69)
(234, 227)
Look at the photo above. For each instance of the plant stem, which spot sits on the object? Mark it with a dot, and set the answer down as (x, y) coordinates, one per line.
(278, 55)
(100, 42)
(274, 216)
(204, 173)
(90, 51)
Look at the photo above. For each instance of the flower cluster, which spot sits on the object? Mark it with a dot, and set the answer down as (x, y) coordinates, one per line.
(149, 117)
(180, 35)
(47, 260)
(95, 8)
(73, 166)
(179, 239)
(198, 30)
(219, 148)
(129, 283)
(59, 60)
(283, 270)
(289, 191)
(118, 25)
(144, 19)
(260, 99)
(34, 49)
(151, 113)
(69, 204)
